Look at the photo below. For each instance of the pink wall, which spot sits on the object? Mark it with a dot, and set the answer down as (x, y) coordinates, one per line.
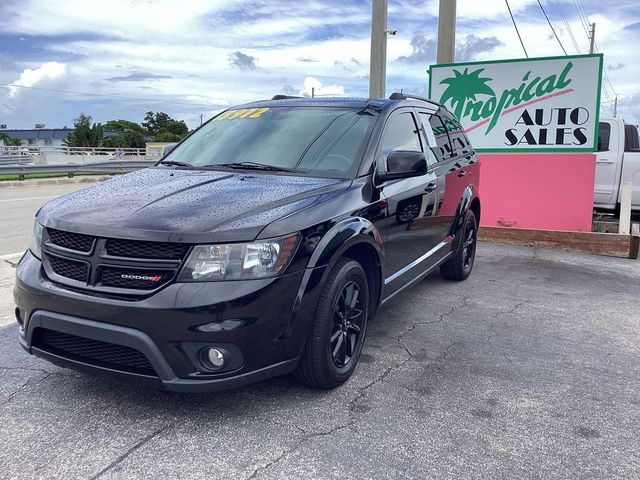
(546, 191)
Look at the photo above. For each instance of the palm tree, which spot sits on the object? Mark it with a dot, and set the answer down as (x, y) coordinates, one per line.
(464, 86)
(84, 134)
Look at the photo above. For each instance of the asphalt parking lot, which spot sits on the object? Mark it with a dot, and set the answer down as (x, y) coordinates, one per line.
(529, 369)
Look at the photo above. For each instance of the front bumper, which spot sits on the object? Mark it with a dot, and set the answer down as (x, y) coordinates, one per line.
(263, 322)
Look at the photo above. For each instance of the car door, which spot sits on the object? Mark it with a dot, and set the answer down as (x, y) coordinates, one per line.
(454, 156)
(408, 238)
(607, 165)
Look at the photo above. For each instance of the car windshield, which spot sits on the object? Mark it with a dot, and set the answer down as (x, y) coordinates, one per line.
(318, 141)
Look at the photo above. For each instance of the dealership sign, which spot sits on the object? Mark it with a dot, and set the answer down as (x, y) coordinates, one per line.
(541, 104)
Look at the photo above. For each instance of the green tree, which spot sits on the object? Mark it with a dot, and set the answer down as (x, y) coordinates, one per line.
(9, 141)
(126, 139)
(123, 126)
(85, 134)
(159, 124)
(168, 137)
(464, 86)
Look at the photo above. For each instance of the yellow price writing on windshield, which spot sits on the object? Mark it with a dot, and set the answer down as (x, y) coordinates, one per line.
(242, 113)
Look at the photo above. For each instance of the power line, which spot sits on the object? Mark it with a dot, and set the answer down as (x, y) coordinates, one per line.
(516, 27)
(568, 25)
(110, 95)
(585, 24)
(551, 26)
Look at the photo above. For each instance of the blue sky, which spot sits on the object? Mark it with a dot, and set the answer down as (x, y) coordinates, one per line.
(195, 57)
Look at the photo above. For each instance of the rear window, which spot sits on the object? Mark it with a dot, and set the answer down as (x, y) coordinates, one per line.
(604, 134)
(318, 141)
(631, 141)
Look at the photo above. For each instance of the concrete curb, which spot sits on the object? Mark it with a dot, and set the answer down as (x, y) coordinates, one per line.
(35, 182)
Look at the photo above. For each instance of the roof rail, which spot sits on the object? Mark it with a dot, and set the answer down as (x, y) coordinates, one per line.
(283, 97)
(406, 96)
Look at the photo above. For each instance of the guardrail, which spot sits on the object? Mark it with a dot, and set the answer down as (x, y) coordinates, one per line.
(44, 150)
(110, 168)
(15, 159)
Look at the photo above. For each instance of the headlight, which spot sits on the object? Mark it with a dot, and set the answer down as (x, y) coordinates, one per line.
(36, 239)
(239, 261)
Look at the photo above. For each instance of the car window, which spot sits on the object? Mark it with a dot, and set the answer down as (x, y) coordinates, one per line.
(439, 139)
(604, 133)
(459, 141)
(631, 140)
(321, 141)
(400, 133)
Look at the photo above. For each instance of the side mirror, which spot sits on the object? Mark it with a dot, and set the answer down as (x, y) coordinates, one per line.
(404, 164)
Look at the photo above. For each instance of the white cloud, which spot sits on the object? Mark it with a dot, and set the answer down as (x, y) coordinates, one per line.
(314, 86)
(173, 55)
(30, 78)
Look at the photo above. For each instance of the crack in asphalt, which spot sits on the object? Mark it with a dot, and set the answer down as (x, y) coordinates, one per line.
(350, 423)
(493, 325)
(41, 370)
(352, 419)
(143, 441)
(441, 319)
(23, 386)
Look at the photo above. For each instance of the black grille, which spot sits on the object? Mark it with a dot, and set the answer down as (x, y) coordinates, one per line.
(136, 279)
(140, 249)
(72, 241)
(95, 352)
(69, 268)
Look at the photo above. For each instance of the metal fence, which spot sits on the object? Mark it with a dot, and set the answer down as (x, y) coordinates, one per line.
(62, 150)
(111, 167)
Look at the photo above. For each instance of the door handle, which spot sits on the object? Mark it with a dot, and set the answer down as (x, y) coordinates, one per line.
(462, 173)
(430, 188)
(607, 162)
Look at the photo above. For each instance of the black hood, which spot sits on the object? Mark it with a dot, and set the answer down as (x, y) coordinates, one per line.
(185, 205)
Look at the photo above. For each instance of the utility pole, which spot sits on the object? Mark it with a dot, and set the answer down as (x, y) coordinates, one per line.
(446, 31)
(592, 38)
(378, 64)
(615, 107)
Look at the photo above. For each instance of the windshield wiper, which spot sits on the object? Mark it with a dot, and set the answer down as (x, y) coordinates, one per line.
(253, 166)
(175, 163)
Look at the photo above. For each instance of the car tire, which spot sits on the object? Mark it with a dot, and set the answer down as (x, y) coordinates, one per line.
(460, 265)
(339, 327)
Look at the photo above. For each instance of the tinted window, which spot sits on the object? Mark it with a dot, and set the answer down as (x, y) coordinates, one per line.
(604, 133)
(631, 140)
(458, 138)
(400, 133)
(437, 136)
(314, 140)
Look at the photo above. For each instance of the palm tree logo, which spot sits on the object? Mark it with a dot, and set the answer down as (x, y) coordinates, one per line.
(465, 86)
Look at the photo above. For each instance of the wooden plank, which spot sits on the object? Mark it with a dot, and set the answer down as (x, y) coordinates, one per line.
(609, 244)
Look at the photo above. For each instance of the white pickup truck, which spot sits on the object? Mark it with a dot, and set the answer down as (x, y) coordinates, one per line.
(618, 162)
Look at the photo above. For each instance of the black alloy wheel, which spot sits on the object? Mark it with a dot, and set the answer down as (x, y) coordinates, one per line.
(347, 318)
(339, 328)
(459, 266)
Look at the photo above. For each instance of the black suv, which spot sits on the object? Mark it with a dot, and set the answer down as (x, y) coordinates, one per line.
(261, 245)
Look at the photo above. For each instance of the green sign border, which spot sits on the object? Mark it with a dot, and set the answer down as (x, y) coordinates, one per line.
(537, 59)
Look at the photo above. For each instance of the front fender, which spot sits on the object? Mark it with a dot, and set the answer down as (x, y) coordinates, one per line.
(337, 240)
(344, 235)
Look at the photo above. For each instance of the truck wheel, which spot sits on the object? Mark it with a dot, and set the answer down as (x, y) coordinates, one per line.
(460, 265)
(339, 327)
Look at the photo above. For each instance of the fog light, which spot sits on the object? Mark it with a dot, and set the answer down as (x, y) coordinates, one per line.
(215, 357)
